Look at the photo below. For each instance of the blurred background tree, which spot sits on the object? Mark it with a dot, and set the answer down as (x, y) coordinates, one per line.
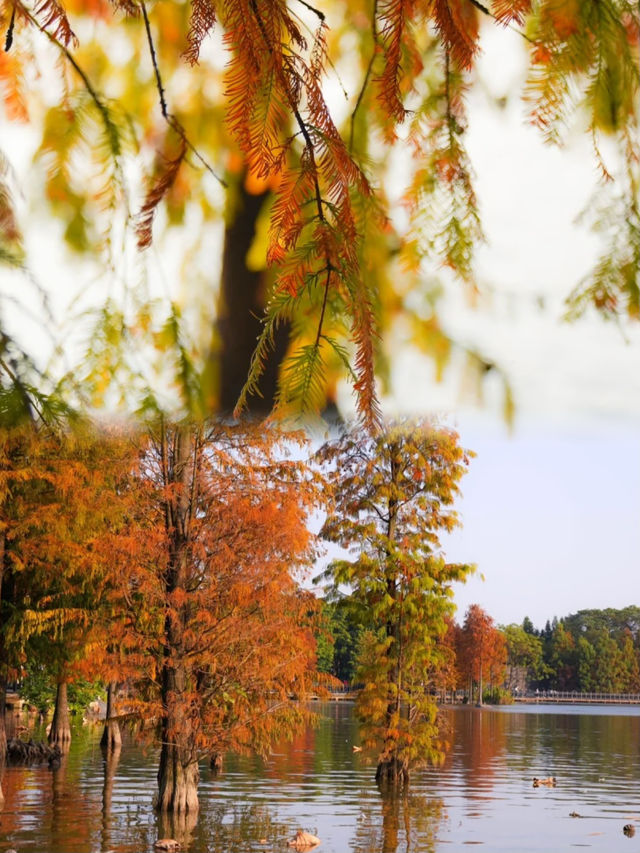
(303, 174)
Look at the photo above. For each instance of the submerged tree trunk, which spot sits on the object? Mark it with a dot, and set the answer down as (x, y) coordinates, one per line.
(178, 773)
(392, 772)
(178, 777)
(60, 732)
(111, 736)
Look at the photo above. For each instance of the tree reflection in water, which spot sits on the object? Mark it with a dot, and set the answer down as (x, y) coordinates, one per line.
(405, 822)
(178, 826)
(111, 759)
(244, 829)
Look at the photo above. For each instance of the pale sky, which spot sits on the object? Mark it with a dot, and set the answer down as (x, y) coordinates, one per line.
(552, 511)
(552, 519)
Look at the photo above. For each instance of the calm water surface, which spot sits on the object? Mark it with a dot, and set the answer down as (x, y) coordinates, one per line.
(483, 794)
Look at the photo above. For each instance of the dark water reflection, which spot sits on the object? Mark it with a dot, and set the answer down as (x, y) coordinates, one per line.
(483, 794)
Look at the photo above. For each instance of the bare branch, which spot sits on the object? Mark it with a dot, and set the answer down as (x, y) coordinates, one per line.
(171, 120)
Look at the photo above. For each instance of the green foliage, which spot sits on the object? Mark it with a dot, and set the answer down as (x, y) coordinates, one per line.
(340, 638)
(562, 658)
(393, 494)
(615, 622)
(524, 649)
(593, 651)
(82, 692)
(613, 286)
(495, 695)
(38, 688)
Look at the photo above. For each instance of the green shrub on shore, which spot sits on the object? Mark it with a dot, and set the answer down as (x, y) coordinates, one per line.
(38, 689)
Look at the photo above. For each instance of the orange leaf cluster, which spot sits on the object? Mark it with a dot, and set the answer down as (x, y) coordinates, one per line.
(201, 22)
(53, 18)
(166, 174)
(511, 11)
(457, 25)
(394, 15)
(212, 607)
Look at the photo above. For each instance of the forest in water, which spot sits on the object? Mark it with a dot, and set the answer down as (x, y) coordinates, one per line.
(219, 221)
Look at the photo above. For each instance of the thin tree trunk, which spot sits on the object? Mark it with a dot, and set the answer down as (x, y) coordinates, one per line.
(60, 732)
(178, 773)
(111, 736)
(391, 770)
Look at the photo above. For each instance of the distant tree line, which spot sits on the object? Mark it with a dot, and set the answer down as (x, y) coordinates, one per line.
(588, 651)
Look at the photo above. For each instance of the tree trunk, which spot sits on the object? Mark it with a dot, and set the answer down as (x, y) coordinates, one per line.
(111, 736)
(178, 773)
(60, 732)
(240, 309)
(480, 688)
(392, 773)
(178, 777)
(390, 769)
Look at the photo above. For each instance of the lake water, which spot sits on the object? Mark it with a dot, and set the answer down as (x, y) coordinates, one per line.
(483, 794)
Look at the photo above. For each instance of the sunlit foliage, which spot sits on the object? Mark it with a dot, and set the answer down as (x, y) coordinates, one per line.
(481, 652)
(393, 496)
(218, 634)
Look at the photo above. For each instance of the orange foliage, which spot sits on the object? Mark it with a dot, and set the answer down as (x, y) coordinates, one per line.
(167, 169)
(481, 648)
(508, 11)
(215, 616)
(563, 16)
(457, 25)
(13, 87)
(58, 516)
